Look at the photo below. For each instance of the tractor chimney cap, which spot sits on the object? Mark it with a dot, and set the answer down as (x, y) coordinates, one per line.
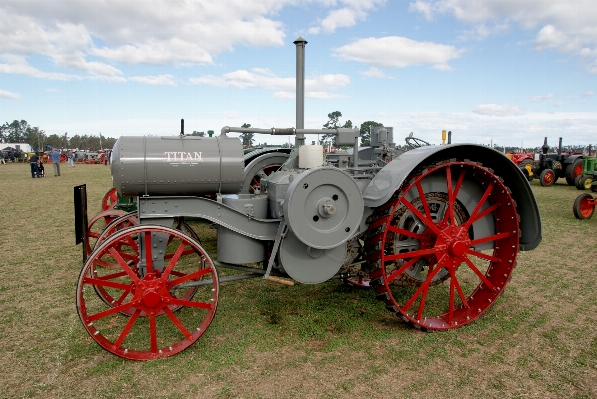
(300, 40)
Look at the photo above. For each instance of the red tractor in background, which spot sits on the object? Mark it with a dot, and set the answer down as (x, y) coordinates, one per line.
(549, 167)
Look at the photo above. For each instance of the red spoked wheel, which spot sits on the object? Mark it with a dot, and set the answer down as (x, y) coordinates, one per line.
(584, 206)
(455, 221)
(175, 275)
(547, 177)
(110, 199)
(128, 249)
(80, 160)
(62, 158)
(98, 224)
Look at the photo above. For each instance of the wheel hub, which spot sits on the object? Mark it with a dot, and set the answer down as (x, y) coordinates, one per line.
(151, 298)
(455, 240)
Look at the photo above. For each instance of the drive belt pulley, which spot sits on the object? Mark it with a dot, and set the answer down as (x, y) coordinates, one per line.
(323, 207)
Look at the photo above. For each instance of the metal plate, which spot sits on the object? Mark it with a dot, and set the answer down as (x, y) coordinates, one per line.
(310, 265)
(323, 207)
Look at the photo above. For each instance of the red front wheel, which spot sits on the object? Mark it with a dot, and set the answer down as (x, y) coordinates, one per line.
(110, 199)
(453, 222)
(165, 294)
(584, 206)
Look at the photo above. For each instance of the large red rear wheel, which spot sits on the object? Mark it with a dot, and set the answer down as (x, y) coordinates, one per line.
(169, 272)
(453, 221)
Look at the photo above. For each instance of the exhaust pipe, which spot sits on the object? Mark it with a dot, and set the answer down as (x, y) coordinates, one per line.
(300, 44)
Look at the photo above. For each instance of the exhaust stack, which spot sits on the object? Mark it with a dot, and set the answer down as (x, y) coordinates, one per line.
(300, 44)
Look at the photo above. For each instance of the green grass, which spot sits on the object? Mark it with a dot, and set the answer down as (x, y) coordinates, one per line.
(272, 341)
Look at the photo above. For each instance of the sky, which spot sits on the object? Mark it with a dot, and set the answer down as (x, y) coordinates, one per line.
(505, 72)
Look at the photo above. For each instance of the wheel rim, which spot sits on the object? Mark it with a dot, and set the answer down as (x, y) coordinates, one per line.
(147, 288)
(548, 178)
(587, 183)
(586, 206)
(110, 199)
(478, 268)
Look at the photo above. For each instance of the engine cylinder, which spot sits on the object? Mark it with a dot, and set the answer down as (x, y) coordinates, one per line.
(174, 165)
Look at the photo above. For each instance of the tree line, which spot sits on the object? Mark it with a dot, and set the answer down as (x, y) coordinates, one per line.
(22, 132)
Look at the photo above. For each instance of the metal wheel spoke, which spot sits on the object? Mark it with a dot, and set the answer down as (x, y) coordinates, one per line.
(397, 272)
(184, 253)
(173, 261)
(483, 256)
(148, 257)
(478, 216)
(423, 286)
(459, 182)
(428, 222)
(494, 237)
(177, 323)
(423, 200)
(104, 283)
(127, 328)
(479, 274)
(112, 276)
(449, 189)
(403, 232)
(110, 311)
(417, 253)
(458, 288)
(422, 304)
(124, 265)
(190, 276)
(479, 205)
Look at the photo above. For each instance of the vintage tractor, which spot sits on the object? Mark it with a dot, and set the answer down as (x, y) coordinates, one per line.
(525, 162)
(585, 180)
(549, 167)
(434, 231)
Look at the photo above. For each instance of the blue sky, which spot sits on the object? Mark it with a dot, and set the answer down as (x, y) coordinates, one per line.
(503, 71)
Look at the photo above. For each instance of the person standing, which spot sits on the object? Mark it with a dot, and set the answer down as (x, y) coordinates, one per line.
(70, 156)
(33, 163)
(2, 161)
(56, 162)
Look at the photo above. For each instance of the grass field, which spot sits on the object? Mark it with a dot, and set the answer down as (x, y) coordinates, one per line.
(270, 341)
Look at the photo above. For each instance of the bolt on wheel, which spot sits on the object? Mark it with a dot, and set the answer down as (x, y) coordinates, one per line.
(164, 271)
(466, 233)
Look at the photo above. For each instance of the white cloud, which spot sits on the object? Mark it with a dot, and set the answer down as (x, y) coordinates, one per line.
(261, 78)
(566, 26)
(398, 52)
(374, 72)
(498, 110)
(18, 65)
(538, 99)
(10, 95)
(347, 16)
(559, 104)
(588, 93)
(160, 80)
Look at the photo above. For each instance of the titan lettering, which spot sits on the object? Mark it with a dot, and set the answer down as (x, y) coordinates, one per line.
(183, 156)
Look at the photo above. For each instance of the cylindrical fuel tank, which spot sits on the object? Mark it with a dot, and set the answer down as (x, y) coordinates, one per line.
(174, 165)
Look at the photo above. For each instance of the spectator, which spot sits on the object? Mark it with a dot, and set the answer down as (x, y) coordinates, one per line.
(2, 158)
(71, 159)
(41, 171)
(34, 169)
(56, 162)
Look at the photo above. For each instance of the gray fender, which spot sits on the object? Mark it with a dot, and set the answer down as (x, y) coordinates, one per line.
(392, 176)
